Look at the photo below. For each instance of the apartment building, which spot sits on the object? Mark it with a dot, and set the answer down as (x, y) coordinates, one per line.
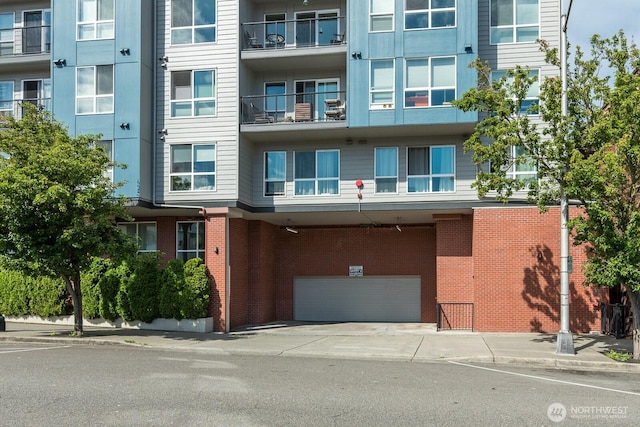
(308, 150)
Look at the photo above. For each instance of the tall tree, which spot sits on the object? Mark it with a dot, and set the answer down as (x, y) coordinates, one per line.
(592, 153)
(57, 208)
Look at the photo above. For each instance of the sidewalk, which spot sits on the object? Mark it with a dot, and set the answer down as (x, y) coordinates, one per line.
(417, 342)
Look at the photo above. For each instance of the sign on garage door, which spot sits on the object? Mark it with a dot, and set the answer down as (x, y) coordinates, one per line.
(357, 299)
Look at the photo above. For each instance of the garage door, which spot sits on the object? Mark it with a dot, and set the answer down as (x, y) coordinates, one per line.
(357, 299)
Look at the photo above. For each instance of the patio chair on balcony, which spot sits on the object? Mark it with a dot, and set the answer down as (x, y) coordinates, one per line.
(338, 39)
(335, 109)
(252, 42)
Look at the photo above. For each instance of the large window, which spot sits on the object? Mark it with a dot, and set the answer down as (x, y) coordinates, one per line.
(381, 15)
(6, 99)
(193, 167)
(429, 81)
(275, 167)
(94, 89)
(95, 19)
(6, 34)
(386, 169)
(193, 93)
(530, 102)
(317, 172)
(193, 21)
(382, 83)
(421, 14)
(514, 21)
(145, 233)
(106, 145)
(430, 169)
(190, 240)
(523, 167)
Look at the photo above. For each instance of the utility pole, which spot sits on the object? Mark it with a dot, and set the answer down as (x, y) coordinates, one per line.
(564, 345)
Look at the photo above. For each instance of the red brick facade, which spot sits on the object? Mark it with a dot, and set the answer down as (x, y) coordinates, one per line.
(503, 260)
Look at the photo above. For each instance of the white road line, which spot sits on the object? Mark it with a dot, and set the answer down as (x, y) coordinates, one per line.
(21, 350)
(546, 379)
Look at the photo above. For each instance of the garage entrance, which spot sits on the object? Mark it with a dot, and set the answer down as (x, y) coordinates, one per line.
(357, 299)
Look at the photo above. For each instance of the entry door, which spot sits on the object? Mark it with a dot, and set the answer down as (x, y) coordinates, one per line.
(37, 92)
(328, 30)
(315, 92)
(36, 33)
(316, 28)
(305, 29)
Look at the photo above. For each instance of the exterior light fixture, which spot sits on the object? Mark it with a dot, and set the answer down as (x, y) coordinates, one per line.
(60, 62)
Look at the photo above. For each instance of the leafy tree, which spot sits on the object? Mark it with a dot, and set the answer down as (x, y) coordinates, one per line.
(592, 153)
(57, 209)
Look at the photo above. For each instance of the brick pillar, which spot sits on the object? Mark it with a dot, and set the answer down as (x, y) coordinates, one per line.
(216, 236)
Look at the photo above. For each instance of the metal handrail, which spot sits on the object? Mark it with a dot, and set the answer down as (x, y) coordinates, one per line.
(23, 41)
(293, 33)
(13, 107)
(455, 315)
(294, 107)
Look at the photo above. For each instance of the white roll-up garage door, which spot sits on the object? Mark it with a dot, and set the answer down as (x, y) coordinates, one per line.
(357, 299)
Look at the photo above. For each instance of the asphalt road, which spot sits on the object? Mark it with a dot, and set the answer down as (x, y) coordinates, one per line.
(81, 385)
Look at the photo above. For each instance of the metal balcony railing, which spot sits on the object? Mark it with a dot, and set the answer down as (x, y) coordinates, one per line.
(327, 106)
(297, 33)
(14, 107)
(25, 40)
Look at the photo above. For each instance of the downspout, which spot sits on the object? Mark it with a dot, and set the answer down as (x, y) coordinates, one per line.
(201, 209)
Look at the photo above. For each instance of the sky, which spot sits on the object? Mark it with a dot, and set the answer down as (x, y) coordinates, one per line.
(603, 17)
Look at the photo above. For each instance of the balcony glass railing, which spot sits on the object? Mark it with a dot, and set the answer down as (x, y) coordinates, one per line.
(326, 29)
(14, 107)
(25, 41)
(307, 107)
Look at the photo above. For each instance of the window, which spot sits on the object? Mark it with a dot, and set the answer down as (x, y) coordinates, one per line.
(523, 167)
(94, 89)
(382, 80)
(38, 93)
(6, 99)
(386, 169)
(275, 100)
(316, 172)
(420, 14)
(531, 101)
(381, 15)
(95, 19)
(514, 21)
(107, 146)
(36, 34)
(193, 167)
(429, 81)
(193, 21)
(190, 240)
(193, 93)
(274, 173)
(430, 169)
(6, 34)
(145, 233)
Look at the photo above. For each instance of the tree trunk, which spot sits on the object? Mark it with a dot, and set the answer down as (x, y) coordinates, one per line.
(634, 296)
(73, 287)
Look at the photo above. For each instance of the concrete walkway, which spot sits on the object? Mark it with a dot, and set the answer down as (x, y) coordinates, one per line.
(416, 342)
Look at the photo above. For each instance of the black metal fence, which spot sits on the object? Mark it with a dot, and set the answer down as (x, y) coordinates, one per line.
(616, 319)
(455, 315)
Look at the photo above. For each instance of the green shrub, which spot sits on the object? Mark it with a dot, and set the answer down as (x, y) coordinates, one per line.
(195, 295)
(172, 282)
(14, 298)
(123, 305)
(46, 296)
(143, 287)
(89, 282)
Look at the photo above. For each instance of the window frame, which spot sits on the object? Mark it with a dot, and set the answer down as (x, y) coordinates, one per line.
(430, 10)
(95, 22)
(377, 14)
(95, 96)
(377, 176)
(430, 176)
(192, 174)
(200, 248)
(528, 101)
(123, 226)
(373, 91)
(316, 179)
(194, 101)
(267, 180)
(193, 27)
(428, 90)
(514, 26)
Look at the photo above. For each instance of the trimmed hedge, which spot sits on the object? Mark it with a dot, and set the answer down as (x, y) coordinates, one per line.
(136, 289)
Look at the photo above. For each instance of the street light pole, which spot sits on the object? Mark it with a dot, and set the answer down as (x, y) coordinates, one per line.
(564, 345)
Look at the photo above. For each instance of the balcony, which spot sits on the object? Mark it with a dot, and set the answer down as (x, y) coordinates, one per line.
(281, 43)
(20, 47)
(13, 107)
